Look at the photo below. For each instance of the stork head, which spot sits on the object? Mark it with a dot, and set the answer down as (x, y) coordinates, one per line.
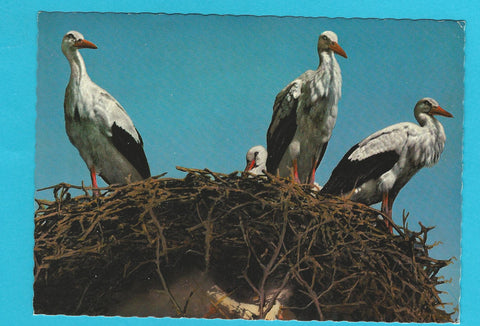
(429, 106)
(328, 41)
(256, 158)
(74, 40)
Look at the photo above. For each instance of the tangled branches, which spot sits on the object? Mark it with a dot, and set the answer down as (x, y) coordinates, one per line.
(264, 241)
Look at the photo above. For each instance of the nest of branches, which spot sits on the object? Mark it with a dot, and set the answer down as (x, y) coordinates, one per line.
(258, 238)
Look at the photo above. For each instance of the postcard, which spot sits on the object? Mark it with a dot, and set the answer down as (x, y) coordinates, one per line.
(182, 167)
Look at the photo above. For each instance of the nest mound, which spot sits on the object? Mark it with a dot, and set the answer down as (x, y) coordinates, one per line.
(256, 237)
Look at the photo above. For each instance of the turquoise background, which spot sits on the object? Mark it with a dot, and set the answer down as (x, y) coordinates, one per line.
(19, 54)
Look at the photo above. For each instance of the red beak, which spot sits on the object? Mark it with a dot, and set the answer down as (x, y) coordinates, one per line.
(438, 110)
(338, 49)
(85, 44)
(250, 166)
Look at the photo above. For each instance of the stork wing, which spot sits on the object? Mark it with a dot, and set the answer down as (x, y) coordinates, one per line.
(118, 126)
(321, 154)
(368, 159)
(349, 174)
(131, 149)
(283, 125)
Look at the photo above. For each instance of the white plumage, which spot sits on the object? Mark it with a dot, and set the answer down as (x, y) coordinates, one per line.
(378, 167)
(97, 125)
(304, 114)
(256, 160)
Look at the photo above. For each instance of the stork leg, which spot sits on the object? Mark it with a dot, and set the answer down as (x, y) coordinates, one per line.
(391, 199)
(312, 176)
(295, 171)
(387, 209)
(390, 205)
(93, 176)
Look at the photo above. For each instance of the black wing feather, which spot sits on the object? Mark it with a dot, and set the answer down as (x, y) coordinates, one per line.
(319, 159)
(322, 153)
(281, 130)
(131, 149)
(350, 174)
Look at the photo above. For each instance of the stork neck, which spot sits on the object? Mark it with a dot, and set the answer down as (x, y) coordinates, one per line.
(432, 124)
(78, 70)
(431, 140)
(424, 119)
(325, 58)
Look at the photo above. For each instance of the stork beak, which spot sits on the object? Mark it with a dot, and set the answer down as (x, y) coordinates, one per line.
(338, 49)
(250, 166)
(438, 110)
(84, 44)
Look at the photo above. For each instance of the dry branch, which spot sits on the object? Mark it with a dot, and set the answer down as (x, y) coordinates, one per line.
(262, 240)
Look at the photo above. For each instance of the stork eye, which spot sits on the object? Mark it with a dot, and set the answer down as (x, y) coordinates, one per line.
(255, 154)
(324, 37)
(70, 36)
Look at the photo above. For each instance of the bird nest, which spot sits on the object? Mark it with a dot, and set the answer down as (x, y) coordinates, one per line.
(256, 237)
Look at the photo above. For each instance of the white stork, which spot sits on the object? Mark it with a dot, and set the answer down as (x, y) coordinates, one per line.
(256, 160)
(98, 126)
(375, 169)
(304, 114)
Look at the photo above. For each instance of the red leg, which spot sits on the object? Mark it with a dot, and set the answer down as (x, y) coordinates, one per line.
(384, 202)
(295, 171)
(312, 176)
(390, 206)
(387, 210)
(93, 176)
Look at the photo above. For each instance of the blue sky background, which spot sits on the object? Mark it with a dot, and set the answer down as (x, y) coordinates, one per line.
(18, 115)
(200, 90)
